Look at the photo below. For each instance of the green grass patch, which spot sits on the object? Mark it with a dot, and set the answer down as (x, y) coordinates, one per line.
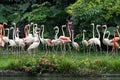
(56, 62)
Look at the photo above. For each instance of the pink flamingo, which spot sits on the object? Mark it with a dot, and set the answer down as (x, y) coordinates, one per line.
(63, 38)
(115, 44)
(116, 38)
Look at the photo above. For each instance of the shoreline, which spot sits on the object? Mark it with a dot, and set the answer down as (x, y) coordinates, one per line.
(13, 73)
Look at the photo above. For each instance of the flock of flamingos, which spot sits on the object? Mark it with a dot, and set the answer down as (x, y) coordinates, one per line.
(36, 37)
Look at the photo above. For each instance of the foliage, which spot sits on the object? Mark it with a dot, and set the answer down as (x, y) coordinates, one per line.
(74, 63)
(39, 13)
(97, 11)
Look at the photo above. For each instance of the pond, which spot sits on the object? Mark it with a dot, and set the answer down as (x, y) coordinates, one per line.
(58, 78)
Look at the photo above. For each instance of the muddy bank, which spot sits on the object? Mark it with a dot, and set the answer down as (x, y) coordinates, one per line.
(12, 73)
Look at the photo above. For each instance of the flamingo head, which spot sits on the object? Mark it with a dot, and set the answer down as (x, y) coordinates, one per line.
(72, 31)
(11, 28)
(98, 25)
(92, 24)
(114, 30)
(28, 24)
(84, 30)
(63, 26)
(56, 27)
(104, 26)
(107, 31)
(117, 27)
(69, 22)
(17, 30)
(14, 23)
(26, 27)
(42, 26)
(4, 23)
(31, 23)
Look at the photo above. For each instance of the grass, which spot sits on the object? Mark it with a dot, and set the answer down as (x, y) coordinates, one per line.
(55, 62)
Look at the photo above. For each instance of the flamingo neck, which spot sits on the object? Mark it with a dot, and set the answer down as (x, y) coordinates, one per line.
(93, 31)
(42, 32)
(72, 36)
(29, 29)
(114, 38)
(56, 36)
(98, 32)
(26, 31)
(33, 29)
(108, 35)
(69, 31)
(63, 32)
(83, 36)
(104, 32)
(14, 34)
(8, 33)
(118, 33)
(17, 33)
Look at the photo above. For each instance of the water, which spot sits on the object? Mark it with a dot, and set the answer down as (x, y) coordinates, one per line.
(57, 78)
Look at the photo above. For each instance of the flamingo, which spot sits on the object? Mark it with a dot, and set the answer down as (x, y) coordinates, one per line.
(116, 38)
(19, 42)
(46, 42)
(12, 41)
(65, 39)
(36, 42)
(106, 41)
(118, 31)
(6, 38)
(115, 44)
(29, 39)
(75, 44)
(56, 41)
(84, 42)
(94, 40)
(109, 42)
(2, 43)
(2, 33)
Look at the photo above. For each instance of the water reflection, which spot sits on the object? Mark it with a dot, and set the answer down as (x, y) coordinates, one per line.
(57, 78)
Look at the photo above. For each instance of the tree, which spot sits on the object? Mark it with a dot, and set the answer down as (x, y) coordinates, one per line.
(97, 11)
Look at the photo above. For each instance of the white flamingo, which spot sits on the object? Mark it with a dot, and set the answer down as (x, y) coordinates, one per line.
(45, 41)
(106, 41)
(75, 44)
(84, 42)
(36, 42)
(56, 41)
(94, 40)
(19, 42)
(109, 42)
(12, 43)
